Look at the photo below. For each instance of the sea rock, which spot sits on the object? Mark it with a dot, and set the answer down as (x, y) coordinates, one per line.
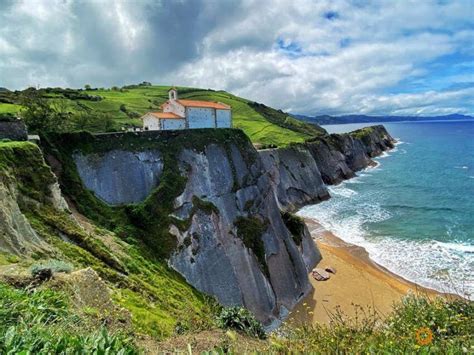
(320, 274)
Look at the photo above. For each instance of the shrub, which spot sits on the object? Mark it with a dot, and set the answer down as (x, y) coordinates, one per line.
(53, 266)
(295, 225)
(239, 318)
(418, 324)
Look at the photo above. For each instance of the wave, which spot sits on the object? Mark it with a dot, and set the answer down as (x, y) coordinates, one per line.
(462, 247)
(341, 191)
(444, 266)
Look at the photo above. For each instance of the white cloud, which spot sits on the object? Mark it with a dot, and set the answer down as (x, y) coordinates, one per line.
(340, 56)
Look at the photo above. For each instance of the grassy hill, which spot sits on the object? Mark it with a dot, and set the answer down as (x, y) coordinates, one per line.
(112, 109)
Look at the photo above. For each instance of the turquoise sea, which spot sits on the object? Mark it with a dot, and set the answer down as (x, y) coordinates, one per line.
(414, 212)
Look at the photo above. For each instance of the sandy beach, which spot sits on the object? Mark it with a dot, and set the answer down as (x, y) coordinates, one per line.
(358, 281)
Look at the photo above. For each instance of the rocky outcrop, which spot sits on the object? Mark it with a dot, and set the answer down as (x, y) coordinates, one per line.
(13, 129)
(233, 242)
(301, 172)
(295, 176)
(25, 182)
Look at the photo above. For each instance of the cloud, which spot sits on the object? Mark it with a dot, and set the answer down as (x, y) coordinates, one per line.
(337, 57)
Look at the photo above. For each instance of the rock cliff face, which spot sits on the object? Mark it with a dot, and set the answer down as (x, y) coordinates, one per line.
(120, 177)
(25, 182)
(232, 240)
(301, 172)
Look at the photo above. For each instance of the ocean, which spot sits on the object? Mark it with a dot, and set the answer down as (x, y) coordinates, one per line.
(414, 212)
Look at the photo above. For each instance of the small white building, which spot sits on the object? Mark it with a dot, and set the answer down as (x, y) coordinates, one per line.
(188, 114)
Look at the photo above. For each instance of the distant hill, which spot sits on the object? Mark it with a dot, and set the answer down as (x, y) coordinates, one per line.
(326, 120)
(111, 109)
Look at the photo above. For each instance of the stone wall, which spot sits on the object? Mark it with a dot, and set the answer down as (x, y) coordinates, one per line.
(14, 130)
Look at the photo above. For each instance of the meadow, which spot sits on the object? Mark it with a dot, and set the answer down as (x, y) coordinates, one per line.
(116, 109)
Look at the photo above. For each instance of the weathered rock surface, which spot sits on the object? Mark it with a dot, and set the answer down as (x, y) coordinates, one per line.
(320, 274)
(240, 185)
(301, 172)
(16, 234)
(120, 177)
(213, 258)
(14, 130)
(295, 175)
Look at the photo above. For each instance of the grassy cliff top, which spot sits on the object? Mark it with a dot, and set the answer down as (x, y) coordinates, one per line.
(124, 106)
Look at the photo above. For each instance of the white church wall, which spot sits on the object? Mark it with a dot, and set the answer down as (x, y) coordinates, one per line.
(173, 124)
(199, 117)
(175, 107)
(151, 123)
(224, 119)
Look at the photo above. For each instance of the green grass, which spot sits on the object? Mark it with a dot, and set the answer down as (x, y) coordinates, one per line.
(449, 321)
(9, 108)
(42, 322)
(262, 124)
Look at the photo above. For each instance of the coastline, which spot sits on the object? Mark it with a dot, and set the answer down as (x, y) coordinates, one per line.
(358, 281)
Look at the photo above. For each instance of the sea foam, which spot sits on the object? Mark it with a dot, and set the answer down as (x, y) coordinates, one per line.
(444, 266)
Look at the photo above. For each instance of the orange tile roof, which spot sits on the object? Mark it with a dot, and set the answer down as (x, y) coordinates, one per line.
(209, 104)
(168, 115)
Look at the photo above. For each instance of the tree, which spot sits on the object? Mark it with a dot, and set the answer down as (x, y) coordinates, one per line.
(87, 87)
(41, 114)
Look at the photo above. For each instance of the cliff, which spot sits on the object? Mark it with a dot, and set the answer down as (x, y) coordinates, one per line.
(211, 205)
(204, 201)
(301, 172)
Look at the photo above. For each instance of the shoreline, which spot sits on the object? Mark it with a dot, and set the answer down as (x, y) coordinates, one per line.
(359, 281)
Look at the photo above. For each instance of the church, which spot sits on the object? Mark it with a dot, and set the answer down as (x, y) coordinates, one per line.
(188, 114)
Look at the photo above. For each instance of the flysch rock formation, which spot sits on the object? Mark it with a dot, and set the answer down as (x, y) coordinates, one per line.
(210, 254)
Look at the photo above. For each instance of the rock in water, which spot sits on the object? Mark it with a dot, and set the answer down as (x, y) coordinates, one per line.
(320, 274)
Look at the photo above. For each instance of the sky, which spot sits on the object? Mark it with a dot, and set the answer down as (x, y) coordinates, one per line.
(307, 57)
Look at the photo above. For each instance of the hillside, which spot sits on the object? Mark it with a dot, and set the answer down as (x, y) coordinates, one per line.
(99, 110)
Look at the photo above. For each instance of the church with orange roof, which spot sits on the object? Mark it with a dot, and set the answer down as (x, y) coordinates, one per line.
(188, 114)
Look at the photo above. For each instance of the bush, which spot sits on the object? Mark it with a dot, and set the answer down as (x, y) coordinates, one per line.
(418, 324)
(53, 266)
(239, 318)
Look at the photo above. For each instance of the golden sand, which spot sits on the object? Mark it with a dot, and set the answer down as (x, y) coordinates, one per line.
(358, 281)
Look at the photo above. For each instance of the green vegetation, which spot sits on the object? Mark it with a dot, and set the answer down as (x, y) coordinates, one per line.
(295, 225)
(42, 322)
(105, 110)
(240, 319)
(250, 230)
(362, 132)
(417, 325)
(157, 297)
(22, 163)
